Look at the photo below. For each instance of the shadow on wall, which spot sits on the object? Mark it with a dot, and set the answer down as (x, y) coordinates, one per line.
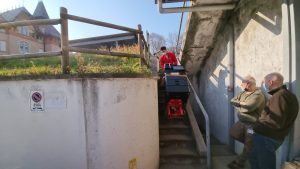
(212, 89)
(214, 105)
(211, 80)
(271, 22)
(264, 13)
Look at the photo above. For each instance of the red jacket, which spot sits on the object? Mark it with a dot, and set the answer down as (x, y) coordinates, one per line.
(169, 57)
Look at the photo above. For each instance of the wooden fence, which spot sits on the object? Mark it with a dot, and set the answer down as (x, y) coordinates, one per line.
(144, 54)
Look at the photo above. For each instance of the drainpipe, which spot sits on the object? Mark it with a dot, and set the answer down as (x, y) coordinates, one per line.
(294, 6)
(230, 88)
(195, 8)
(287, 150)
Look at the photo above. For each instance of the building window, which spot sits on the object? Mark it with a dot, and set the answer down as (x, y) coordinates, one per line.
(24, 47)
(2, 46)
(23, 30)
(40, 38)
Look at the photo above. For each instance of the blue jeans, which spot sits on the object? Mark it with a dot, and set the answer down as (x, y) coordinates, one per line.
(263, 154)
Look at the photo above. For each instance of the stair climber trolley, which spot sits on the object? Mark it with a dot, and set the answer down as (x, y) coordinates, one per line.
(175, 84)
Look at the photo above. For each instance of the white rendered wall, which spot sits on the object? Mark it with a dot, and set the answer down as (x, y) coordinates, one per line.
(122, 123)
(86, 124)
(54, 138)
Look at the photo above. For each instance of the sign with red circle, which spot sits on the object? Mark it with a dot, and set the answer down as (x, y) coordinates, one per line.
(36, 97)
(37, 100)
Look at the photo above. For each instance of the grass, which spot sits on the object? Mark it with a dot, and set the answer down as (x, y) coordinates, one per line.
(79, 64)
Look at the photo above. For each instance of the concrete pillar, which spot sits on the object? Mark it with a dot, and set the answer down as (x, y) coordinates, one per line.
(230, 87)
(294, 11)
(291, 42)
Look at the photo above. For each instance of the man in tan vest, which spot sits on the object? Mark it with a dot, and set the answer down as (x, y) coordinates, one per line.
(248, 104)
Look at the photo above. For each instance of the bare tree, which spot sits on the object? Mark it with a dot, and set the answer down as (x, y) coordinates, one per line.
(174, 44)
(156, 41)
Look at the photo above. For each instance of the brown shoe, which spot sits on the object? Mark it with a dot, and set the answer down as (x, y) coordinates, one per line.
(235, 165)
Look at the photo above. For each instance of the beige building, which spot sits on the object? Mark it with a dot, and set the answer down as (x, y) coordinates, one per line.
(28, 39)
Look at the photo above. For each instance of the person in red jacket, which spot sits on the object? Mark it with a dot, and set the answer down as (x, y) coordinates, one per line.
(166, 57)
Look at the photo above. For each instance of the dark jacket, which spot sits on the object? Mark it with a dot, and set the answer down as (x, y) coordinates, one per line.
(279, 114)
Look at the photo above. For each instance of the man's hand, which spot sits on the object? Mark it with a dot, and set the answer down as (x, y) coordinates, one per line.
(236, 103)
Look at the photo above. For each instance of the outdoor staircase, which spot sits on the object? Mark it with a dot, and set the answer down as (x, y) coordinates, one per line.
(177, 146)
(177, 143)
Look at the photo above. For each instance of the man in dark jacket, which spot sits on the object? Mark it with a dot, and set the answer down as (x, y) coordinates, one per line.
(274, 123)
(249, 104)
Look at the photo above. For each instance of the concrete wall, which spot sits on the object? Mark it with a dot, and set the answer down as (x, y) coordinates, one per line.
(259, 46)
(258, 50)
(266, 39)
(122, 123)
(212, 85)
(54, 138)
(85, 124)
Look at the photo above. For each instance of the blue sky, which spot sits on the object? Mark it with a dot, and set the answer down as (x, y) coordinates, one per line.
(128, 13)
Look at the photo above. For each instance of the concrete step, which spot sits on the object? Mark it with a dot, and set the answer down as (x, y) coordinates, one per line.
(174, 126)
(175, 144)
(161, 101)
(182, 160)
(167, 122)
(176, 150)
(175, 129)
(185, 131)
(182, 166)
(175, 138)
(161, 95)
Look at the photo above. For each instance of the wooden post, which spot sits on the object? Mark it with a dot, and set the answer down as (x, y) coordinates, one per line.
(145, 53)
(148, 44)
(64, 37)
(140, 44)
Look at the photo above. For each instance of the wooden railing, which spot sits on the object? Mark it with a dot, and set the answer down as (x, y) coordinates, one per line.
(144, 54)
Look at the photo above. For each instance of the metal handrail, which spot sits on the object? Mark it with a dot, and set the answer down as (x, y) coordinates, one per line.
(207, 127)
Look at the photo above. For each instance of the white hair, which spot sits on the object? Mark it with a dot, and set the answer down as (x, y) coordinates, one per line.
(249, 79)
(275, 77)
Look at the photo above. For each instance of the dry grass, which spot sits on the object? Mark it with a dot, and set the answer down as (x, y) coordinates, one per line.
(79, 64)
